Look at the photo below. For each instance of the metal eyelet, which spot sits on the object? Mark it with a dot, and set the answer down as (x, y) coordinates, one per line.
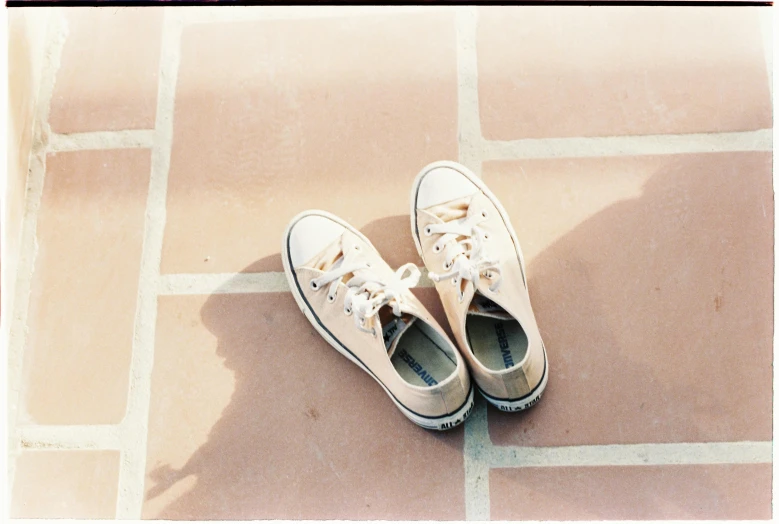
(347, 311)
(331, 298)
(455, 281)
(314, 285)
(447, 265)
(362, 322)
(486, 236)
(484, 214)
(436, 248)
(428, 231)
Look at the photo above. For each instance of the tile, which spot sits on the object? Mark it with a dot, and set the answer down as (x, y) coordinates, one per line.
(107, 79)
(656, 307)
(337, 114)
(598, 71)
(254, 416)
(85, 286)
(65, 484)
(721, 492)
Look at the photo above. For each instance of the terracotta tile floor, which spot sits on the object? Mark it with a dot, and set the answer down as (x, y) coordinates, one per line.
(161, 370)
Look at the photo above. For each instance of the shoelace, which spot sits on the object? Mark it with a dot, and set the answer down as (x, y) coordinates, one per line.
(466, 258)
(366, 292)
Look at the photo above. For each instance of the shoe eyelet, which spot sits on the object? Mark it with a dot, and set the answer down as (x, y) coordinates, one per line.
(447, 265)
(356, 247)
(314, 285)
(454, 281)
(428, 231)
(436, 248)
(484, 214)
(347, 311)
(486, 236)
(362, 322)
(331, 298)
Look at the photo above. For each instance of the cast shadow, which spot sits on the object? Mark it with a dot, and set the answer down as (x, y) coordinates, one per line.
(238, 458)
(657, 314)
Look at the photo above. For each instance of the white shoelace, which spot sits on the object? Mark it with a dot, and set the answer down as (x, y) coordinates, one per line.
(466, 258)
(366, 292)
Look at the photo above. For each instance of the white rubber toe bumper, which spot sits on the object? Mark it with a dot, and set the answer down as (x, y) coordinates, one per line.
(310, 235)
(442, 184)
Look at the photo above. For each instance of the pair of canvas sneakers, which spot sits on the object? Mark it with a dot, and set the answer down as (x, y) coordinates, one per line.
(367, 312)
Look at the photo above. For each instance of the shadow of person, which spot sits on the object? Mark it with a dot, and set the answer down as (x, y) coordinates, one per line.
(306, 433)
(657, 314)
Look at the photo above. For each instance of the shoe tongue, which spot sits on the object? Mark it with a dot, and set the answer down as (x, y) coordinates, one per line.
(327, 258)
(483, 306)
(451, 210)
(393, 327)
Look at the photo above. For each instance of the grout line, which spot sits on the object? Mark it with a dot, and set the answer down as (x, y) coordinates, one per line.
(631, 454)
(71, 437)
(468, 121)
(760, 140)
(223, 283)
(476, 448)
(132, 470)
(476, 442)
(201, 15)
(56, 34)
(130, 138)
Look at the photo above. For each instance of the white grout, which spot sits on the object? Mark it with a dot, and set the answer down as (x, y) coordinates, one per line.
(133, 466)
(131, 138)
(200, 15)
(225, 283)
(476, 447)
(71, 437)
(56, 34)
(206, 284)
(469, 139)
(468, 121)
(631, 454)
(760, 140)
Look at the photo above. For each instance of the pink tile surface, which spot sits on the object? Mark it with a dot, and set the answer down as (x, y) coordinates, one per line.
(598, 71)
(657, 310)
(335, 114)
(85, 287)
(107, 78)
(65, 484)
(254, 416)
(731, 492)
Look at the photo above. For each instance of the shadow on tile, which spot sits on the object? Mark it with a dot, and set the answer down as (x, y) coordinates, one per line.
(319, 441)
(657, 314)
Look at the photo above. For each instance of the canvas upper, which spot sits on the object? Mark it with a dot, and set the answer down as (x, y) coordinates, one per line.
(469, 247)
(367, 312)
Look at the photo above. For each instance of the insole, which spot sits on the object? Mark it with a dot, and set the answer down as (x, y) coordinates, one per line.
(419, 360)
(496, 343)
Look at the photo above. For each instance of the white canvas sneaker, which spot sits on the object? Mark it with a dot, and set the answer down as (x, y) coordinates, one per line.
(367, 312)
(465, 238)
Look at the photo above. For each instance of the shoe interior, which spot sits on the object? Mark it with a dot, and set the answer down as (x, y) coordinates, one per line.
(421, 356)
(496, 338)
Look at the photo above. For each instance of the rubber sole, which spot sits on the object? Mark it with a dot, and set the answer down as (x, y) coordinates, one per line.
(522, 403)
(436, 423)
(502, 404)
